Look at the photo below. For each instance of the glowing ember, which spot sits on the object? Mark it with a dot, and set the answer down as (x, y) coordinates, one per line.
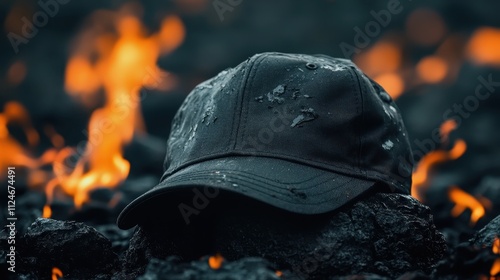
(483, 46)
(279, 273)
(383, 57)
(16, 73)
(15, 154)
(496, 246)
(421, 173)
(55, 138)
(425, 27)
(81, 78)
(47, 212)
(463, 201)
(446, 128)
(121, 63)
(56, 273)
(432, 69)
(171, 34)
(495, 269)
(215, 262)
(392, 83)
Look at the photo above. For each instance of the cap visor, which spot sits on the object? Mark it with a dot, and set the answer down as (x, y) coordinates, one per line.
(283, 184)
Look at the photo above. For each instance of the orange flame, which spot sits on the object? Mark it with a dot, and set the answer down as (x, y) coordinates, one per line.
(15, 154)
(215, 262)
(446, 128)
(278, 273)
(382, 61)
(421, 174)
(495, 269)
(16, 73)
(425, 27)
(432, 69)
(464, 200)
(383, 57)
(483, 46)
(496, 246)
(55, 138)
(126, 61)
(47, 211)
(56, 273)
(392, 83)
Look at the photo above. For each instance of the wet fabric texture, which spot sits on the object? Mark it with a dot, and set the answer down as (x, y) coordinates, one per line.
(281, 124)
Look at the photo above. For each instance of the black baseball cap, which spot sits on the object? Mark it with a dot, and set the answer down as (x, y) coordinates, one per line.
(304, 133)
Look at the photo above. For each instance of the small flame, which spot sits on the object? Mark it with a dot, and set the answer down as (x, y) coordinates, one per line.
(425, 27)
(55, 138)
(464, 200)
(81, 78)
(421, 174)
(16, 73)
(383, 57)
(392, 83)
(483, 46)
(278, 273)
(496, 246)
(15, 154)
(446, 128)
(432, 69)
(56, 273)
(383, 62)
(495, 269)
(47, 211)
(215, 262)
(16, 113)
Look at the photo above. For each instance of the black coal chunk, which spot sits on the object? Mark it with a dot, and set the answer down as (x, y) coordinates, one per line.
(244, 269)
(486, 236)
(472, 259)
(383, 234)
(465, 261)
(78, 250)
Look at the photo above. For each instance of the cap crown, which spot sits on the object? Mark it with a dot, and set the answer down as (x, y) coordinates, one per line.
(314, 110)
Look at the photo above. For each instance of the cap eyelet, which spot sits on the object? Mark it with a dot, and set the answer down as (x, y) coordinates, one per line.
(311, 66)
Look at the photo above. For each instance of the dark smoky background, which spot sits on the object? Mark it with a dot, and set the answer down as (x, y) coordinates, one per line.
(440, 60)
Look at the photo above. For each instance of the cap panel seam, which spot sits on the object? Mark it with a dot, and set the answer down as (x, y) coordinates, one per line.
(244, 113)
(359, 110)
(238, 123)
(239, 101)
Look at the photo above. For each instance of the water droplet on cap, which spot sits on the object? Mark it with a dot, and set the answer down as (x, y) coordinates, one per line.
(311, 66)
(385, 96)
(306, 115)
(388, 145)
